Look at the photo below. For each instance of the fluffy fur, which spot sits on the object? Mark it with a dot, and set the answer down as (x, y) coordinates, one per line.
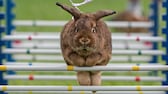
(86, 41)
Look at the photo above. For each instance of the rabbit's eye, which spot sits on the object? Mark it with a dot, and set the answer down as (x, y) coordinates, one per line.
(93, 30)
(76, 29)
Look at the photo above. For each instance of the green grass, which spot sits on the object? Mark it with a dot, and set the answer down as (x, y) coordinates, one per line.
(47, 10)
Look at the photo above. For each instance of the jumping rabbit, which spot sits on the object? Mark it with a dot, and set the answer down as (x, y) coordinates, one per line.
(85, 42)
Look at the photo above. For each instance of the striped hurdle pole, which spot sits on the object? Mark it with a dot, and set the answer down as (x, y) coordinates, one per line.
(104, 78)
(87, 92)
(74, 68)
(83, 88)
(114, 38)
(62, 23)
(58, 51)
(29, 57)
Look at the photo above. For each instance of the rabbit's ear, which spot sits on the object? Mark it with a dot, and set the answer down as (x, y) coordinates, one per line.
(72, 10)
(103, 13)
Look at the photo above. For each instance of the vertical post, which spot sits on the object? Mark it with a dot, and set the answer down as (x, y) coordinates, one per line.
(165, 43)
(2, 43)
(1, 3)
(154, 17)
(9, 18)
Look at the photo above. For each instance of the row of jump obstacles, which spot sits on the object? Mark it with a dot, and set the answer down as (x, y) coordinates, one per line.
(7, 50)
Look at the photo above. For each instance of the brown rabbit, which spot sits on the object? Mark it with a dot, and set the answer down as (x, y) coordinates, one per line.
(86, 41)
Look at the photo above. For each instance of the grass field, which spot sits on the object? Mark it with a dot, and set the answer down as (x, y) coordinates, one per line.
(47, 10)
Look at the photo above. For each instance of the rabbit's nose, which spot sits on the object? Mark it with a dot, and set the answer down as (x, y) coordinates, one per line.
(84, 40)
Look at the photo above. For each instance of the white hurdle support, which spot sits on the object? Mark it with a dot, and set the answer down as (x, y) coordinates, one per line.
(87, 92)
(49, 33)
(70, 77)
(74, 68)
(64, 64)
(114, 38)
(60, 58)
(58, 51)
(124, 24)
(83, 88)
(55, 45)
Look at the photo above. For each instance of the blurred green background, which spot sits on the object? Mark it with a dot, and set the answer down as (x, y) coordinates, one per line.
(47, 10)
